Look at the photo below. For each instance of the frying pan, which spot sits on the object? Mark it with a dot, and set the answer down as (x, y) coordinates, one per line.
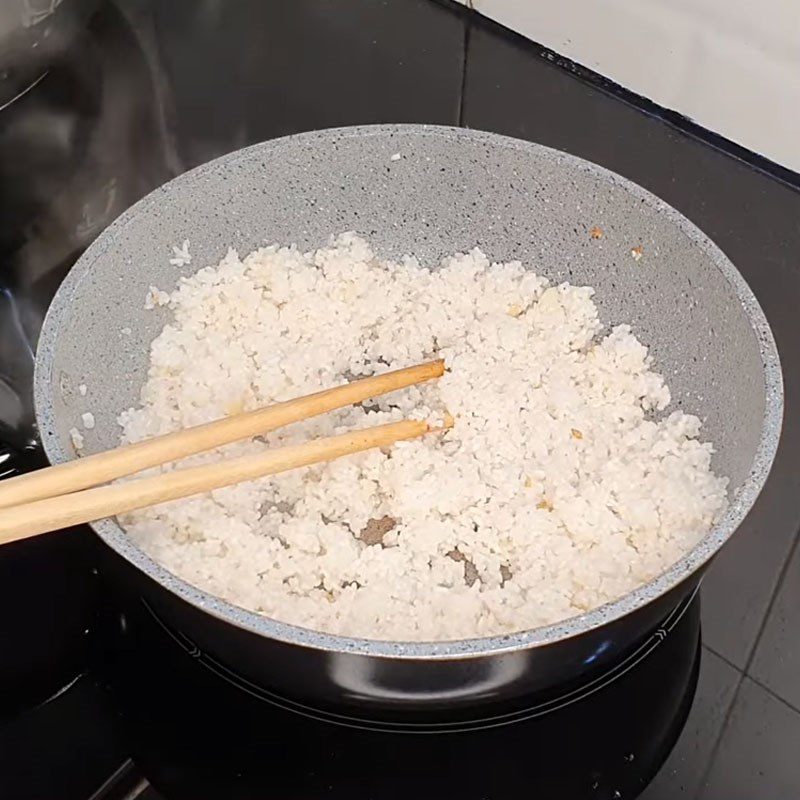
(449, 190)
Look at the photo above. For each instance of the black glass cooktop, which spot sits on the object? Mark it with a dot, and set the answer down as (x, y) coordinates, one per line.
(99, 699)
(151, 712)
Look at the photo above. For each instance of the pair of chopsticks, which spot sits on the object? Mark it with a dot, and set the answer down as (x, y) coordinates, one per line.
(72, 493)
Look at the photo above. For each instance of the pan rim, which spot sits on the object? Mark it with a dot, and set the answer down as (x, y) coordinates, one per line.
(115, 537)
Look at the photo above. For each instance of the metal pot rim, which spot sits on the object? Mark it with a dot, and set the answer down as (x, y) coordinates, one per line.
(113, 535)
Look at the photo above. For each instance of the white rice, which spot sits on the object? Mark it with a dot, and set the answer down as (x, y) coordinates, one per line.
(557, 490)
(181, 256)
(76, 437)
(155, 298)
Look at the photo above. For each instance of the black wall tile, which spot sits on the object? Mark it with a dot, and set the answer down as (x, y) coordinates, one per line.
(314, 64)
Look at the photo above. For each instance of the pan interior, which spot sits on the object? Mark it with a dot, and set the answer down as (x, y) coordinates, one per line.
(448, 191)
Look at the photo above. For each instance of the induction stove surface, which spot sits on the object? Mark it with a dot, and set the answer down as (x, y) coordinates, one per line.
(151, 713)
(103, 700)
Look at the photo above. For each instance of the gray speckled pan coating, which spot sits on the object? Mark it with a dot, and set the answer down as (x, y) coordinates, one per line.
(449, 191)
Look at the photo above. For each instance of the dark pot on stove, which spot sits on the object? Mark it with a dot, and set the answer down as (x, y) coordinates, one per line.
(691, 300)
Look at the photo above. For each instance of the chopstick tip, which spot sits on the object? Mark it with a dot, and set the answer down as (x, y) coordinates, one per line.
(448, 421)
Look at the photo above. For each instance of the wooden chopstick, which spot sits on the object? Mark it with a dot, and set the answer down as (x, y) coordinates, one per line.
(21, 522)
(107, 466)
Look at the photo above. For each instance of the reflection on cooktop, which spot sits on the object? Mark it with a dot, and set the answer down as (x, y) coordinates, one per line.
(77, 149)
(80, 146)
